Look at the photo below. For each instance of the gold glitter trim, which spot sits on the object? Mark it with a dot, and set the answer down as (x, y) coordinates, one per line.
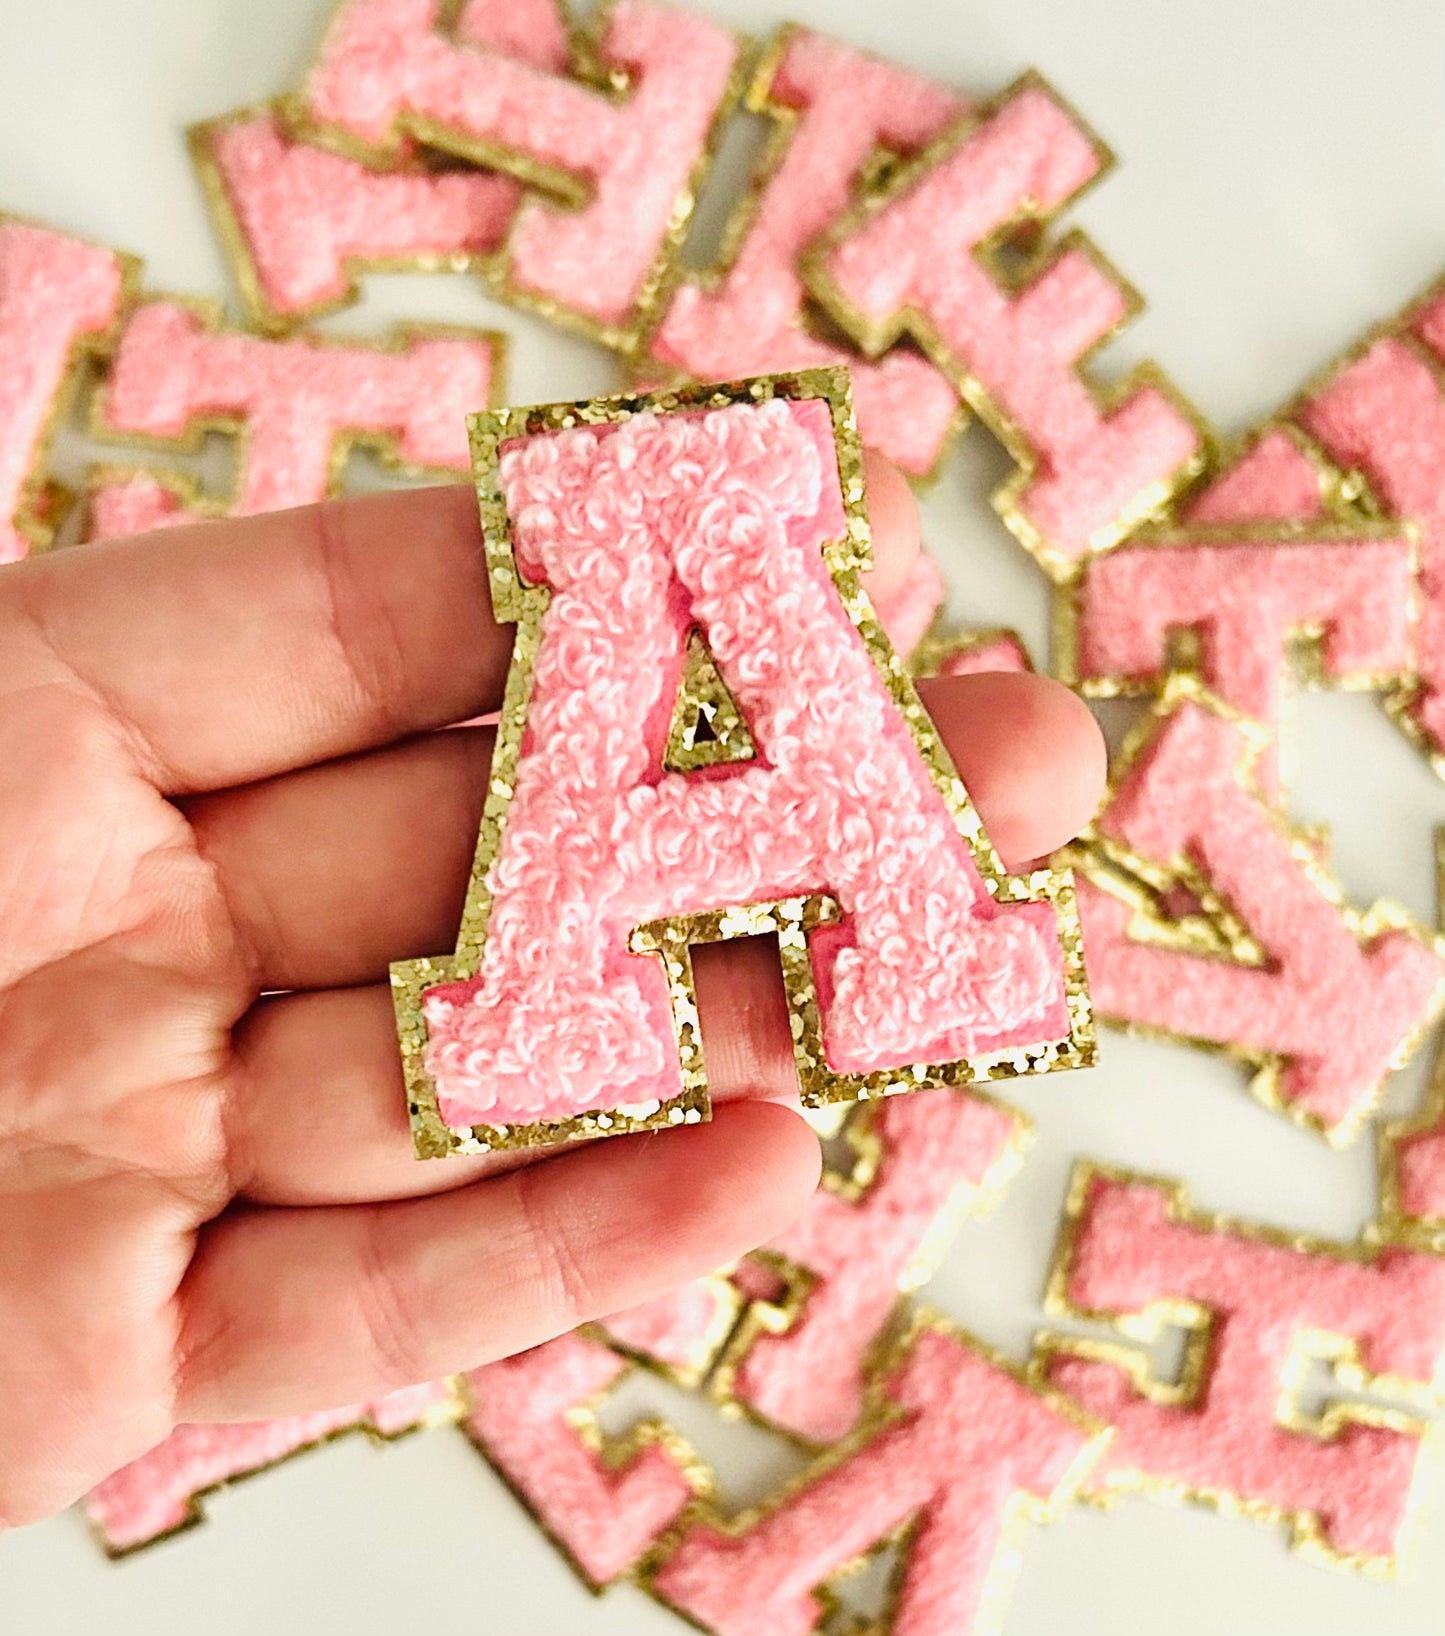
(446, 1413)
(1145, 1328)
(236, 246)
(1021, 1510)
(968, 1200)
(514, 600)
(753, 94)
(589, 68)
(707, 728)
(346, 441)
(1013, 275)
(41, 503)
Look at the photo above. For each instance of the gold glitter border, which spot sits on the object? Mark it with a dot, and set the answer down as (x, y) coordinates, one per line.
(755, 96)
(1021, 1511)
(590, 70)
(42, 504)
(346, 441)
(449, 1412)
(1013, 280)
(1145, 1328)
(1218, 932)
(704, 695)
(516, 601)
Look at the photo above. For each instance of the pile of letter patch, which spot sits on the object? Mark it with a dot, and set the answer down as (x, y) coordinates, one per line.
(891, 270)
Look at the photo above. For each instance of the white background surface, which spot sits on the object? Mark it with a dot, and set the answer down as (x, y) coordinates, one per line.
(1282, 186)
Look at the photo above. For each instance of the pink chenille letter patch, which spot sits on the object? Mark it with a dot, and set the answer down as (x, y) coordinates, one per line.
(627, 539)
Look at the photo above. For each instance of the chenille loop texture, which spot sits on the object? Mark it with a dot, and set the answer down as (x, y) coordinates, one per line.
(642, 530)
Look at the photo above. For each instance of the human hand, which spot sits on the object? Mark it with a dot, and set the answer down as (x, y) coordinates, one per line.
(221, 780)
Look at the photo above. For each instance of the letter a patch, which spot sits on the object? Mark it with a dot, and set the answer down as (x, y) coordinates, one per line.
(623, 537)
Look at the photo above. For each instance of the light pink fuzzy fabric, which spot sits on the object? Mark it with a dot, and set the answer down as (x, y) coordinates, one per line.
(604, 1519)
(160, 1492)
(1421, 1164)
(937, 1146)
(908, 615)
(532, 31)
(847, 104)
(135, 504)
(642, 530)
(919, 252)
(305, 213)
(1384, 413)
(297, 398)
(1336, 1012)
(1274, 480)
(1246, 600)
(679, 1331)
(1004, 653)
(387, 58)
(970, 1441)
(56, 294)
(1130, 1253)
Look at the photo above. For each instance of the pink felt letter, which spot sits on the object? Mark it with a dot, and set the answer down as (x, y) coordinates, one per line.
(643, 530)
(387, 66)
(306, 219)
(523, 1420)
(1383, 412)
(160, 1492)
(839, 107)
(301, 402)
(937, 1150)
(1346, 1492)
(972, 1443)
(1093, 474)
(1246, 599)
(58, 297)
(1332, 1008)
(1247, 594)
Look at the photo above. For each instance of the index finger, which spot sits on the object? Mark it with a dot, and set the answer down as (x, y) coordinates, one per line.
(230, 651)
